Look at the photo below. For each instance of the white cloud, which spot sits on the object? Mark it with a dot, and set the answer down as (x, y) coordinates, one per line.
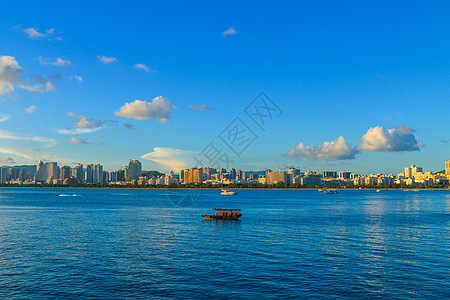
(3, 118)
(84, 122)
(14, 152)
(171, 158)
(10, 72)
(143, 67)
(140, 110)
(229, 31)
(6, 160)
(49, 86)
(398, 139)
(107, 60)
(203, 107)
(6, 135)
(334, 150)
(37, 88)
(34, 33)
(75, 140)
(77, 130)
(61, 62)
(79, 78)
(31, 109)
(57, 62)
(71, 114)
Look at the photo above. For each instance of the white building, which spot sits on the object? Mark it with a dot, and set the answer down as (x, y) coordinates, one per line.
(46, 172)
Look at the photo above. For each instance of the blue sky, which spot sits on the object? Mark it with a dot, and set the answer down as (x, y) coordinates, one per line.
(375, 73)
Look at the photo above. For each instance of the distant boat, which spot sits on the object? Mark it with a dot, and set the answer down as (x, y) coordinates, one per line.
(378, 191)
(330, 191)
(228, 193)
(224, 214)
(320, 190)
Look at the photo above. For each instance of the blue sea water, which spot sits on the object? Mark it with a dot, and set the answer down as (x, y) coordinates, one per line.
(141, 244)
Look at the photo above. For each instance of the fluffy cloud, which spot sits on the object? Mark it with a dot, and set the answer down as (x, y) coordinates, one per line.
(398, 139)
(140, 110)
(143, 67)
(229, 31)
(10, 72)
(3, 118)
(335, 150)
(35, 33)
(171, 158)
(75, 140)
(38, 88)
(6, 160)
(84, 124)
(203, 107)
(31, 109)
(107, 60)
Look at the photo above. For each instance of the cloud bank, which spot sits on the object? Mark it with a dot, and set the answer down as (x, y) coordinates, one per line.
(334, 150)
(398, 139)
(170, 158)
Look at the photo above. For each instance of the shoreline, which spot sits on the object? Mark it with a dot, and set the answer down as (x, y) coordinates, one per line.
(219, 188)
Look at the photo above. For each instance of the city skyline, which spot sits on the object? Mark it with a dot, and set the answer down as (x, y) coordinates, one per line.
(51, 173)
(353, 86)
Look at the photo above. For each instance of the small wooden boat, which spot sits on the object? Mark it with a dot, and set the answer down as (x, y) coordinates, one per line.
(224, 214)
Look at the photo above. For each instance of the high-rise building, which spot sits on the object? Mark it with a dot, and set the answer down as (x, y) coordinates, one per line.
(232, 174)
(345, 175)
(447, 168)
(105, 177)
(89, 175)
(65, 172)
(3, 175)
(410, 172)
(98, 174)
(77, 172)
(276, 177)
(120, 175)
(134, 170)
(193, 175)
(46, 172)
(329, 174)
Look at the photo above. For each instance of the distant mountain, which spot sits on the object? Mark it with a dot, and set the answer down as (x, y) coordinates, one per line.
(151, 174)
